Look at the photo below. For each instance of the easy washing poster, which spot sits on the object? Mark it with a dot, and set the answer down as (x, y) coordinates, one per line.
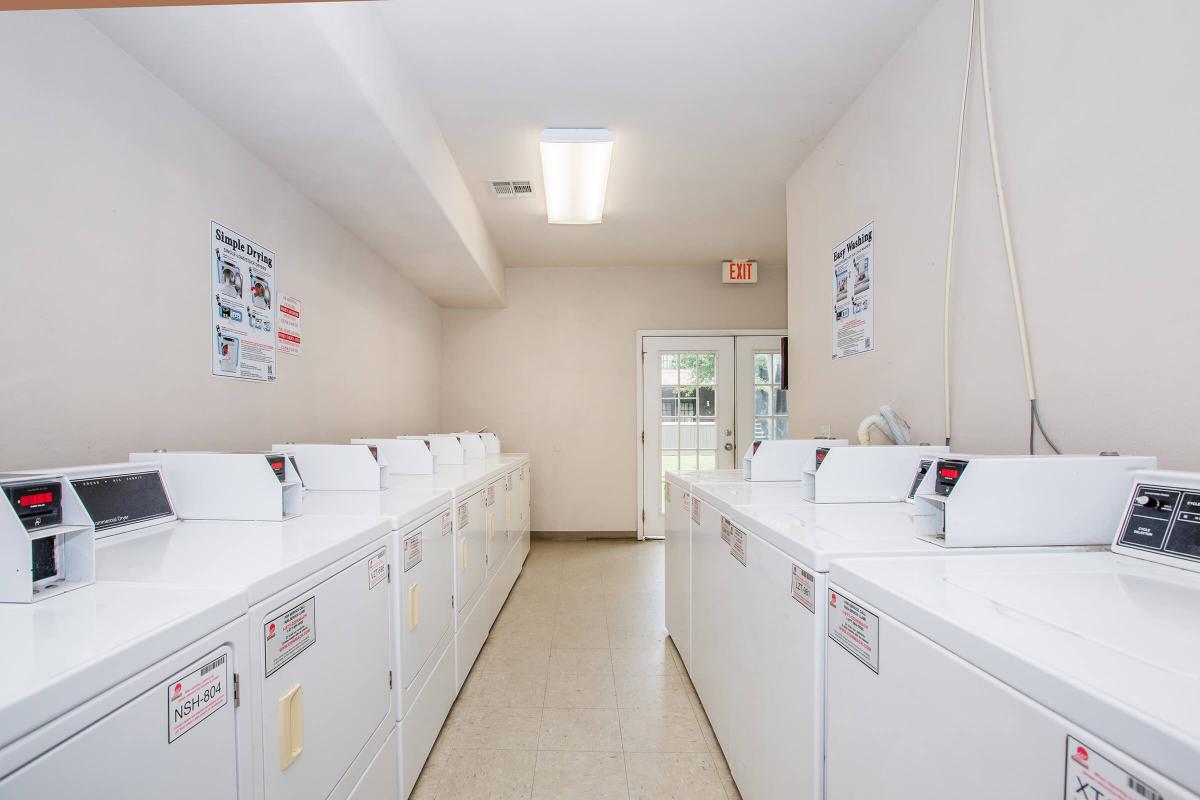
(854, 295)
(243, 306)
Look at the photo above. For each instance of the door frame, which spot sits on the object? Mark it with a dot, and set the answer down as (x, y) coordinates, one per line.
(639, 399)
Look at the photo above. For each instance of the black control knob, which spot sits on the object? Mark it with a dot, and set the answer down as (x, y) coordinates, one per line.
(1145, 501)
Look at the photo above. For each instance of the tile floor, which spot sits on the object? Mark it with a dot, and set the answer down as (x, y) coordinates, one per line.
(578, 693)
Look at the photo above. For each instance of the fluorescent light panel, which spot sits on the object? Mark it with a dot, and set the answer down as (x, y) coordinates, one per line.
(575, 164)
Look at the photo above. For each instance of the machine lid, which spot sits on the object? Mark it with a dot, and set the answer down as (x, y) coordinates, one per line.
(71, 648)
(743, 492)
(259, 558)
(1107, 641)
(401, 506)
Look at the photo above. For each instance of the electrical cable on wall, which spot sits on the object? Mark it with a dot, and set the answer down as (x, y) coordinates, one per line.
(979, 8)
(962, 119)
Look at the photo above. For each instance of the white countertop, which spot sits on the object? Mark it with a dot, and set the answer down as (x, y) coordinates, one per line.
(400, 506)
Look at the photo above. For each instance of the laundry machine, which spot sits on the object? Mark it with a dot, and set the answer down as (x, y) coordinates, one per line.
(422, 591)
(472, 444)
(864, 474)
(781, 459)
(318, 679)
(403, 456)
(771, 564)
(1025, 675)
(112, 689)
(448, 449)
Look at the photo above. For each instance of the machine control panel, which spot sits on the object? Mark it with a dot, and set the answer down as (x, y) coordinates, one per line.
(1163, 519)
(278, 466)
(38, 505)
(374, 451)
(113, 501)
(922, 471)
(821, 453)
(948, 473)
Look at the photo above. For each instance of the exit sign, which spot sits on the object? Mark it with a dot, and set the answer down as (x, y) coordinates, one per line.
(739, 272)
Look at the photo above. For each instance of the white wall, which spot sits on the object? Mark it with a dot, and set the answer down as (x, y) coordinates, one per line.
(1097, 123)
(554, 373)
(109, 184)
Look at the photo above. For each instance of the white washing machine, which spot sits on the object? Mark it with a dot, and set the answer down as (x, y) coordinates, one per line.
(769, 567)
(318, 680)
(479, 590)
(422, 590)
(117, 689)
(1065, 676)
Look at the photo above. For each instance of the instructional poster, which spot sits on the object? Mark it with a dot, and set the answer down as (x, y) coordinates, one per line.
(289, 325)
(243, 306)
(853, 294)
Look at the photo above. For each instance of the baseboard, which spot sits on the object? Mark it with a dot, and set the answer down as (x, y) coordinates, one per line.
(579, 536)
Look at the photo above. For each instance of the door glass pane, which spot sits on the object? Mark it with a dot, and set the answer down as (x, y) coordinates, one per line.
(780, 401)
(770, 398)
(687, 434)
(706, 397)
(777, 373)
(707, 435)
(708, 459)
(687, 401)
(762, 427)
(762, 401)
(687, 459)
(669, 439)
(687, 368)
(706, 368)
(762, 367)
(670, 369)
(781, 427)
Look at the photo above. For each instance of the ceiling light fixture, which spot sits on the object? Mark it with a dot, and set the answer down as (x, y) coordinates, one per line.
(575, 164)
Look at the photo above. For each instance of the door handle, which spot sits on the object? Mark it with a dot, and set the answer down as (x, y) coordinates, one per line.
(291, 726)
(414, 612)
(462, 554)
(729, 445)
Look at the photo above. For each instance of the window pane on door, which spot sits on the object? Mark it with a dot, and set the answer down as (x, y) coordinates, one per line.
(688, 405)
(770, 398)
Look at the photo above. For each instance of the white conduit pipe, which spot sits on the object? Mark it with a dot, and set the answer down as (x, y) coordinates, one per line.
(1018, 305)
(962, 119)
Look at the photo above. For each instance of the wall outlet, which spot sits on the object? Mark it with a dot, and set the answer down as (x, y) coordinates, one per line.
(823, 432)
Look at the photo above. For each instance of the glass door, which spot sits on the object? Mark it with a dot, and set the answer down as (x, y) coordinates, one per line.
(688, 386)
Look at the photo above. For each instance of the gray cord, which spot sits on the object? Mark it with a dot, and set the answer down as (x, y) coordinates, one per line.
(1035, 426)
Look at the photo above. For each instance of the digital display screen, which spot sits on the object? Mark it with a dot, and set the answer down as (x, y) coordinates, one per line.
(38, 499)
(115, 500)
(949, 473)
(277, 466)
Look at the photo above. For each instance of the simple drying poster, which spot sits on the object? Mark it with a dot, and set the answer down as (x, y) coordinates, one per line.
(853, 295)
(243, 306)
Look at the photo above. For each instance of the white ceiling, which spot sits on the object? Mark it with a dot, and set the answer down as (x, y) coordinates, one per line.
(713, 103)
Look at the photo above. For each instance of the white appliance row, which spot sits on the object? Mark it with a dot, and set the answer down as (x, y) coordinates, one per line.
(900, 649)
(232, 634)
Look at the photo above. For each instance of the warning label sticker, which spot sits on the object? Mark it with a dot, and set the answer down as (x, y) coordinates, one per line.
(377, 569)
(464, 516)
(412, 551)
(804, 588)
(289, 634)
(726, 530)
(1093, 777)
(855, 629)
(447, 524)
(737, 545)
(696, 510)
(196, 696)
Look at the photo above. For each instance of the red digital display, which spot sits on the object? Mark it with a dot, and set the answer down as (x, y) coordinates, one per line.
(949, 473)
(277, 465)
(35, 499)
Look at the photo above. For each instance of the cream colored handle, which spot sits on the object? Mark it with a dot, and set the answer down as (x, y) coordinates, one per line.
(414, 608)
(291, 726)
(462, 553)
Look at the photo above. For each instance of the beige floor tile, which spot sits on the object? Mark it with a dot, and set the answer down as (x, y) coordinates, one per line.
(488, 775)
(581, 661)
(580, 729)
(636, 636)
(503, 690)
(496, 657)
(672, 776)
(652, 691)
(592, 690)
(646, 730)
(643, 661)
(571, 635)
(579, 776)
(536, 635)
(494, 728)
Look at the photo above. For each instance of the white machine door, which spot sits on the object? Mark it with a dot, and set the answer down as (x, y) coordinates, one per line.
(678, 571)
(493, 513)
(522, 501)
(328, 673)
(470, 552)
(177, 740)
(426, 593)
(687, 415)
(508, 510)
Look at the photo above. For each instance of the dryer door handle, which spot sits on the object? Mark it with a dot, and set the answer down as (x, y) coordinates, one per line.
(291, 726)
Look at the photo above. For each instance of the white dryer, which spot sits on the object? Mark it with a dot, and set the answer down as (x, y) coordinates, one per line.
(422, 588)
(1066, 676)
(318, 677)
(103, 681)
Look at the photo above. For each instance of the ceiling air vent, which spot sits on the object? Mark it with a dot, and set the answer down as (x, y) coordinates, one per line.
(512, 188)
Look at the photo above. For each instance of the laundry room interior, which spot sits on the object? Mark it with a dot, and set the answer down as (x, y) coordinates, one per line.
(521, 427)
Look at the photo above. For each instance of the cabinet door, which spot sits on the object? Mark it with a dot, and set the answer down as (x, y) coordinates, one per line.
(426, 588)
(327, 684)
(178, 739)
